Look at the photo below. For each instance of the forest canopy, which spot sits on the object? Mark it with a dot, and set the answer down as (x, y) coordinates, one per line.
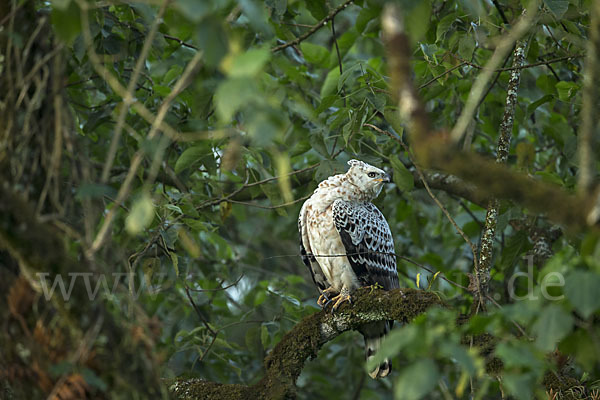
(154, 156)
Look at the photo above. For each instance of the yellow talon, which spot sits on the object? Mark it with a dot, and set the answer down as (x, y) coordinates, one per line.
(323, 298)
(339, 299)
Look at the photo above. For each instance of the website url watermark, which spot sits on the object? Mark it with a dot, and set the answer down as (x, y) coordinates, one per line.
(98, 281)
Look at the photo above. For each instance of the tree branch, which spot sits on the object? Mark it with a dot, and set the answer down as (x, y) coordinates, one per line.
(285, 362)
(503, 48)
(482, 272)
(315, 28)
(437, 150)
(590, 102)
(452, 185)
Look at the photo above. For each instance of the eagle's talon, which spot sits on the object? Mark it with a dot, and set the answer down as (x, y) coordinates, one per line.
(323, 299)
(339, 299)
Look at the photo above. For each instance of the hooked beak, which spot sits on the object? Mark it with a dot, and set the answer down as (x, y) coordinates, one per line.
(386, 178)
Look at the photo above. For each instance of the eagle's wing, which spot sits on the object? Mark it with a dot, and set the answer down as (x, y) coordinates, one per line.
(368, 242)
(369, 247)
(307, 257)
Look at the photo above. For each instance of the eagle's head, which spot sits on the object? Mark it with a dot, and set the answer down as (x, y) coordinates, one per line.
(367, 178)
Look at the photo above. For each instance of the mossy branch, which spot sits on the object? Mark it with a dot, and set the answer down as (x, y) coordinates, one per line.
(285, 362)
(435, 149)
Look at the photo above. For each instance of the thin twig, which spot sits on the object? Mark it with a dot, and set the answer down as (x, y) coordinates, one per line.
(129, 94)
(434, 198)
(504, 19)
(213, 202)
(513, 68)
(442, 275)
(502, 49)
(519, 327)
(201, 317)
(315, 28)
(181, 42)
(339, 57)
(288, 174)
(111, 79)
(289, 203)
(435, 78)
(157, 126)
(219, 288)
(198, 312)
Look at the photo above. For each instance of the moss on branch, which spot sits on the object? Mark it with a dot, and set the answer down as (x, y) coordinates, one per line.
(285, 362)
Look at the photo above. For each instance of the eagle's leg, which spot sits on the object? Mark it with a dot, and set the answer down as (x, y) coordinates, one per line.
(324, 298)
(340, 298)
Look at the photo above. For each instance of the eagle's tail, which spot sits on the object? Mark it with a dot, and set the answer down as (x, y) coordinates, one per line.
(373, 334)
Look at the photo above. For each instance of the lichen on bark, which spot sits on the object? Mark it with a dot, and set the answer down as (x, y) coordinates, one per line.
(482, 272)
(285, 362)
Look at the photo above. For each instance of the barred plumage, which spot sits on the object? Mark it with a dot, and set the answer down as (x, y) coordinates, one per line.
(338, 219)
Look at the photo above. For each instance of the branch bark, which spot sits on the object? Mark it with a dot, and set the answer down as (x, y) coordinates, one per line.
(482, 272)
(315, 28)
(588, 135)
(286, 361)
(438, 151)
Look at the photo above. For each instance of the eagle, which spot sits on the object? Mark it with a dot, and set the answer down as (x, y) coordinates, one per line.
(346, 243)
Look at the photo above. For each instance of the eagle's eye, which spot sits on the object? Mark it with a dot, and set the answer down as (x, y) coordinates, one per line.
(372, 174)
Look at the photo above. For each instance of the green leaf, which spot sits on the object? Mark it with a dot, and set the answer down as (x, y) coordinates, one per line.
(345, 42)
(192, 9)
(249, 63)
(326, 102)
(417, 380)
(282, 162)
(175, 262)
(66, 20)
(566, 90)
(256, 13)
(552, 325)
(93, 380)
(466, 46)
(212, 39)
(365, 16)
(95, 191)
(232, 95)
(547, 83)
(417, 20)
(330, 85)
(347, 73)
(581, 289)
(550, 177)
(461, 355)
(444, 26)
(533, 106)
(172, 74)
(558, 7)
(403, 178)
(317, 8)
(279, 7)
(392, 116)
(173, 207)
(264, 336)
(315, 54)
(141, 215)
(518, 354)
(61, 4)
(189, 157)
(519, 385)
(161, 90)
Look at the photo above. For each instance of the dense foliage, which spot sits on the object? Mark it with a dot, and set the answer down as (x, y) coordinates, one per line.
(176, 140)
